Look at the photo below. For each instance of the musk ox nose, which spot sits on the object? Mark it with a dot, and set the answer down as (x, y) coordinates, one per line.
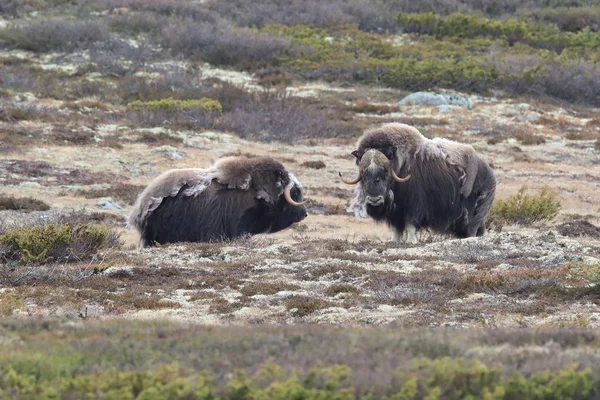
(375, 200)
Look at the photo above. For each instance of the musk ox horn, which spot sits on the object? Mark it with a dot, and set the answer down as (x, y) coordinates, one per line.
(287, 193)
(396, 177)
(354, 182)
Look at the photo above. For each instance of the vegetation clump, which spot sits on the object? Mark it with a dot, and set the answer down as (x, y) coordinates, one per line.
(446, 378)
(22, 204)
(524, 209)
(57, 242)
(172, 105)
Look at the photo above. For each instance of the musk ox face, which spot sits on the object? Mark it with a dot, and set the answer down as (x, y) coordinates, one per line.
(287, 213)
(377, 179)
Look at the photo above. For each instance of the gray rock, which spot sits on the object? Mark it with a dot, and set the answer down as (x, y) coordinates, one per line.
(436, 99)
(168, 152)
(109, 205)
(443, 109)
(528, 117)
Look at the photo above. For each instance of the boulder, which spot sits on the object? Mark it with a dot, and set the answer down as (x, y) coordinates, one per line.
(436, 99)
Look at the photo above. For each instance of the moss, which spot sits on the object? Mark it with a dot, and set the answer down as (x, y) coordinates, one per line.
(172, 105)
(523, 208)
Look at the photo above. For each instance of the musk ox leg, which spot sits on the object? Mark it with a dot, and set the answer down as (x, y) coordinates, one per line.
(481, 230)
(145, 243)
(411, 233)
(397, 235)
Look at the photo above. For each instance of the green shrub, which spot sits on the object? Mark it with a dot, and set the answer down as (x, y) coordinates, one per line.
(447, 378)
(570, 19)
(459, 25)
(597, 145)
(172, 105)
(523, 209)
(57, 241)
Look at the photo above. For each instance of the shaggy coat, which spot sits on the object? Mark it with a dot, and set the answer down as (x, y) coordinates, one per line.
(450, 188)
(234, 197)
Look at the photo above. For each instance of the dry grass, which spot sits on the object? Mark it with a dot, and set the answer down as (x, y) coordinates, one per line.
(124, 192)
(301, 306)
(266, 288)
(313, 164)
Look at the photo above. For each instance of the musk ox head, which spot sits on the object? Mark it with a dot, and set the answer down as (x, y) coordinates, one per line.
(288, 208)
(377, 178)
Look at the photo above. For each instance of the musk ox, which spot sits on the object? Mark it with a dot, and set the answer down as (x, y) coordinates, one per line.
(412, 182)
(234, 197)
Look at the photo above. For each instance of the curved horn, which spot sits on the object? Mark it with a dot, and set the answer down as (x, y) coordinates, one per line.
(287, 193)
(354, 182)
(396, 177)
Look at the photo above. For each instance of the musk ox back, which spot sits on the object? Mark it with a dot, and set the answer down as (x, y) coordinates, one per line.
(412, 182)
(234, 197)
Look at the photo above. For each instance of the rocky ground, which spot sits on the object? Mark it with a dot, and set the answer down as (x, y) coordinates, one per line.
(331, 268)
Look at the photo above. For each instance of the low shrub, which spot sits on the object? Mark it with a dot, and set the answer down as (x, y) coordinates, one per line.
(171, 105)
(525, 209)
(266, 288)
(22, 204)
(221, 45)
(57, 242)
(305, 305)
(452, 378)
(53, 34)
(543, 36)
(570, 19)
(367, 15)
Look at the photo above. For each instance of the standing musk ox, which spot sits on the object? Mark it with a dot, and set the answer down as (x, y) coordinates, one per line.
(412, 182)
(235, 196)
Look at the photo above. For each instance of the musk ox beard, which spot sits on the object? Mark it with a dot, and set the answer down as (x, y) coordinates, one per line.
(412, 182)
(234, 197)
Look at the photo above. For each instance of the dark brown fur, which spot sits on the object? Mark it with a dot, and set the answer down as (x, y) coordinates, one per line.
(236, 196)
(450, 190)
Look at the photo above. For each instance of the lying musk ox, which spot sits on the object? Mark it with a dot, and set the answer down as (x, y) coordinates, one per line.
(412, 182)
(235, 196)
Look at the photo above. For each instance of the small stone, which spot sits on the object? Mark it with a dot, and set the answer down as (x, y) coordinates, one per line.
(168, 152)
(436, 99)
(443, 109)
(109, 205)
(31, 185)
(82, 164)
(528, 117)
